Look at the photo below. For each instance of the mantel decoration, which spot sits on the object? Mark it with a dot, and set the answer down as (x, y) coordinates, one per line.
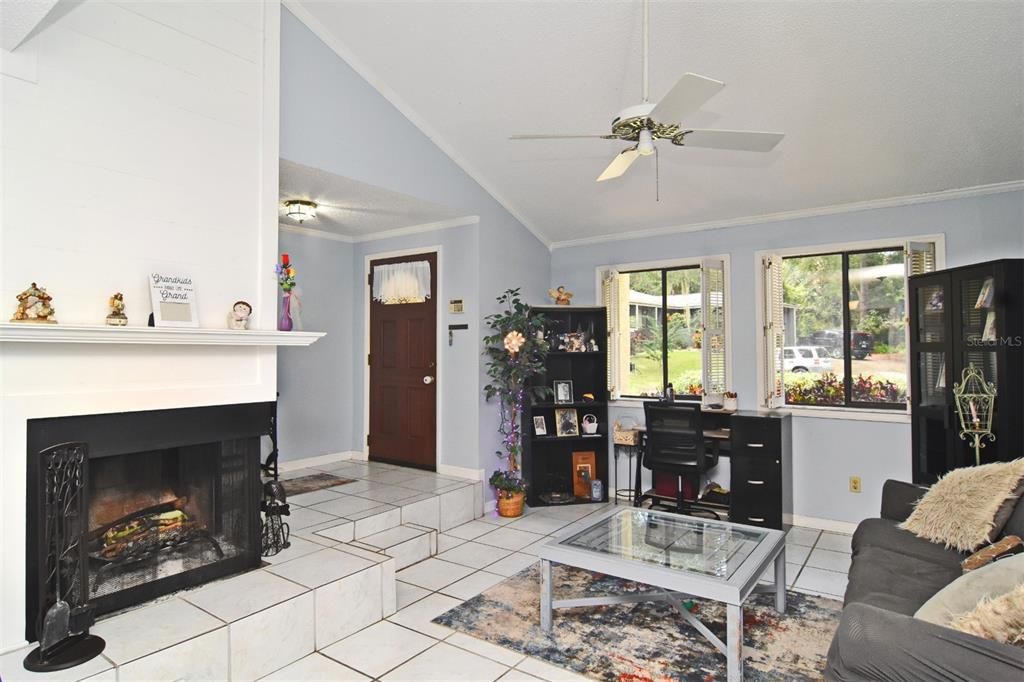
(975, 405)
(238, 318)
(34, 306)
(174, 300)
(515, 353)
(116, 318)
(291, 307)
(560, 296)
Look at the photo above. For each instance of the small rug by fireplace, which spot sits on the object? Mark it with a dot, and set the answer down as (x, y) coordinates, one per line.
(647, 641)
(308, 484)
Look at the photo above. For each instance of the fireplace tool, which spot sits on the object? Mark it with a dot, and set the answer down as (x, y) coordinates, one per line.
(64, 639)
(275, 532)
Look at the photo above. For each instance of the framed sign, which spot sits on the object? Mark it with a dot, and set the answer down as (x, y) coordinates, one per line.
(174, 300)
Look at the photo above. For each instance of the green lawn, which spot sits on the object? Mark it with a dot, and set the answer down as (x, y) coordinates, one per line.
(684, 368)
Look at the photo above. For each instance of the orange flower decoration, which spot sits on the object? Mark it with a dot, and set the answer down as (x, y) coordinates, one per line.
(514, 341)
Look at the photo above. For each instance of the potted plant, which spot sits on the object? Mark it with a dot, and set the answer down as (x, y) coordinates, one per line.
(515, 350)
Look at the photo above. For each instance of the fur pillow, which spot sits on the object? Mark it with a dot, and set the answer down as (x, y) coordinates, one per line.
(1000, 619)
(962, 508)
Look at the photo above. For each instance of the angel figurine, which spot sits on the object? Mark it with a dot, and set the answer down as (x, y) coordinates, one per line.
(560, 296)
(117, 318)
(238, 318)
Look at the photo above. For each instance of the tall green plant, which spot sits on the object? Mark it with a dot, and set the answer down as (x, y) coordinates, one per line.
(516, 351)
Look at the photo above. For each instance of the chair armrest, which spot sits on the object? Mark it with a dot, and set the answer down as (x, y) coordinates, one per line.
(875, 644)
(898, 499)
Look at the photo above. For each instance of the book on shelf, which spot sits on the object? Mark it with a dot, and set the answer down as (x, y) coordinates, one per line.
(940, 381)
(985, 295)
(989, 333)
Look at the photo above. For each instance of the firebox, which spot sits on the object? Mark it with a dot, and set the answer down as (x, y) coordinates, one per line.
(170, 499)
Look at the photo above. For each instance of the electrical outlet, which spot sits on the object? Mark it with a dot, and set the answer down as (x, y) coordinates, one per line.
(854, 484)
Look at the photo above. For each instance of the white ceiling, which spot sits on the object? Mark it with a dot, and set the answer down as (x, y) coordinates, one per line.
(356, 211)
(877, 100)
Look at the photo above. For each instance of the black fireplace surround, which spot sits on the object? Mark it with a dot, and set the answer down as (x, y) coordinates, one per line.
(172, 499)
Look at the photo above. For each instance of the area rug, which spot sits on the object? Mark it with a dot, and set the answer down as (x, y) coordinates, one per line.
(647, 641)
(307, 484)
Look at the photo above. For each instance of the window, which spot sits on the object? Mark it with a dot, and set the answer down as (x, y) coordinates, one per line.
(835, 326)
(667, 327)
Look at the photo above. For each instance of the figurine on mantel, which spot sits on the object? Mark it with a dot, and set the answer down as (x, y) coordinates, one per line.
(238, 318)
(34, 306)
(117, 318)
(560, 296)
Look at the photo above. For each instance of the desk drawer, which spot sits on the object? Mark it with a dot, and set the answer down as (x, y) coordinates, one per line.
(747, 470)
(755, 513)
(756, 436)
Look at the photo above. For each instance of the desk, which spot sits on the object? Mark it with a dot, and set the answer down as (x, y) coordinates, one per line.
(759, 447)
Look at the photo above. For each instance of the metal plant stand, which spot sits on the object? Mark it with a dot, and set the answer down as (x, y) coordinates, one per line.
(65, 615)
(624, 493)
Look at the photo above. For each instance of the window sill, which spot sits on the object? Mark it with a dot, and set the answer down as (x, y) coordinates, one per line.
(849, 413)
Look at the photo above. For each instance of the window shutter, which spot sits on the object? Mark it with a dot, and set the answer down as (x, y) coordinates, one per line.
(713, 341)
(919, 257)
(774, 331)
(610, 285)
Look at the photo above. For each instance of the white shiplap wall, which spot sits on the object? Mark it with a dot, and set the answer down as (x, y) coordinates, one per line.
(134, 137)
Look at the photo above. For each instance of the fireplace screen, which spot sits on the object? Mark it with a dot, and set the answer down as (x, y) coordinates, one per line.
(170, 500)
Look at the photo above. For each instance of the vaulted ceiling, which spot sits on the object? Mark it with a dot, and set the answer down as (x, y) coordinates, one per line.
(877, 100)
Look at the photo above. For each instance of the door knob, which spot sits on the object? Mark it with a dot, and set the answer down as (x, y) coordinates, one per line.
(428, 379)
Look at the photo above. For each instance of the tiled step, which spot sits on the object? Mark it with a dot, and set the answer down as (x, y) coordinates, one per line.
(406, 543)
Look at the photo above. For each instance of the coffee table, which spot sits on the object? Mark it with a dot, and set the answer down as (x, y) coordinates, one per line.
(681, 555)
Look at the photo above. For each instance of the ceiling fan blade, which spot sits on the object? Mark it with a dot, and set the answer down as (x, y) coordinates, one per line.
(685, 97)
(620, 164)
(560, 137)
(740, 140)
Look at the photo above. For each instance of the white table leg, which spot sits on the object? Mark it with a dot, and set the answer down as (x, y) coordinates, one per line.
(545, 595)
(734, 642)
(780, 581)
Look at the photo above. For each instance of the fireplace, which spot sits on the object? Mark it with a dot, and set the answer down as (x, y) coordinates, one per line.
(170, 500)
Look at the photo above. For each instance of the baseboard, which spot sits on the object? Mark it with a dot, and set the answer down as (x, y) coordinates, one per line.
(319, 460)
(822, 524)
(490, 506)
(460, 472)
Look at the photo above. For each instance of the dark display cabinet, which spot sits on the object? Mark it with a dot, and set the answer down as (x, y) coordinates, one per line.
(970, 315)
(548, 459)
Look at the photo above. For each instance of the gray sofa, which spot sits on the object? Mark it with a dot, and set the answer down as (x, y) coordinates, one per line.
(893, 573)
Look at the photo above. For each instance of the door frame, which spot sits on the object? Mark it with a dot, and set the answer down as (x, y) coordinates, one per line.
(439, 374)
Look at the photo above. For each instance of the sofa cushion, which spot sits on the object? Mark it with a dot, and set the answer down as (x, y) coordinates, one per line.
(1000, 618)
(969, 506)
(964, 593)
(886, 534)
(1015, 526)
(877, 571)
(890, 602)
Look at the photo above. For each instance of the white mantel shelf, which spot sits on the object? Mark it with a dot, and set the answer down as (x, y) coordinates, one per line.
(164, 336)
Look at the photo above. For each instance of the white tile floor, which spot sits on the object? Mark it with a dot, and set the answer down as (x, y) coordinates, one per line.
(481, 553)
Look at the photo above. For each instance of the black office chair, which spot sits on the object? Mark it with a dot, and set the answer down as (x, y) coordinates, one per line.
(675, 444)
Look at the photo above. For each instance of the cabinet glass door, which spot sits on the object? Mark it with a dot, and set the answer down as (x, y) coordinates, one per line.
(978, 312)
(932, 377)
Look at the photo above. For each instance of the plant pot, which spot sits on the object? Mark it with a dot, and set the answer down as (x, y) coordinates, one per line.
(731, 404)
(511, 507)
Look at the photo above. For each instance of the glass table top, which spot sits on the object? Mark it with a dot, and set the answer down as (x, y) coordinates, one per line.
(711, 548)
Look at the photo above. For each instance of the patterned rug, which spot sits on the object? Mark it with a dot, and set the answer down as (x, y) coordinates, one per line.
(308, 484)
(648, 641)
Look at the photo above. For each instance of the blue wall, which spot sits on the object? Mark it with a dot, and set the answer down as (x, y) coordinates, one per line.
(827, 451)
(333, 119)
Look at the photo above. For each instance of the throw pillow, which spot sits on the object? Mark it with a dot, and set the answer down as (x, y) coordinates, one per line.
(963, 594)
(1000, 619)
(963, 508)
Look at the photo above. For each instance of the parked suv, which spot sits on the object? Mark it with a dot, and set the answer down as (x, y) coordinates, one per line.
(862, 344)
(806, 359)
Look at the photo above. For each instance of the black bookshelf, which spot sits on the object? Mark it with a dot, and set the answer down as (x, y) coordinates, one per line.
(547, 459)
(953, 326)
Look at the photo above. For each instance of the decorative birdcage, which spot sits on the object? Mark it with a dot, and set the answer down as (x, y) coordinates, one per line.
(975, 405)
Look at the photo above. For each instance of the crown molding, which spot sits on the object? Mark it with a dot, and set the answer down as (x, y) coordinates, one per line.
(386, 234)
(297, 8)
(944, 195)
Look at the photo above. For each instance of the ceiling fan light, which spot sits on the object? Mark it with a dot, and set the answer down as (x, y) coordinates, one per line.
(645, 143)
(300, 210)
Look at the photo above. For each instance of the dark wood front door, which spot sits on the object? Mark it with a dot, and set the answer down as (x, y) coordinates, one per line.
(403, 373)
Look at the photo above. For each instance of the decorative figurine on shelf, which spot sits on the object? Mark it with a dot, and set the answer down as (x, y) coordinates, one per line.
(116, 318)
(238, 318)
(560, 296)
(34, 306)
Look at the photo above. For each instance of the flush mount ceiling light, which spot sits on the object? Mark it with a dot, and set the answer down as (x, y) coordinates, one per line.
(299, 209)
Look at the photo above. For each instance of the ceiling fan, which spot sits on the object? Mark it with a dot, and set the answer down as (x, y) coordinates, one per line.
(644, 123)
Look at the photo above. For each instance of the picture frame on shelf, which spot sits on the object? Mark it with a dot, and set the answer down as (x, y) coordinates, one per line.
(584, 468)
(567, 422)
(540, 426)
(174, 300)
(563, 392)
